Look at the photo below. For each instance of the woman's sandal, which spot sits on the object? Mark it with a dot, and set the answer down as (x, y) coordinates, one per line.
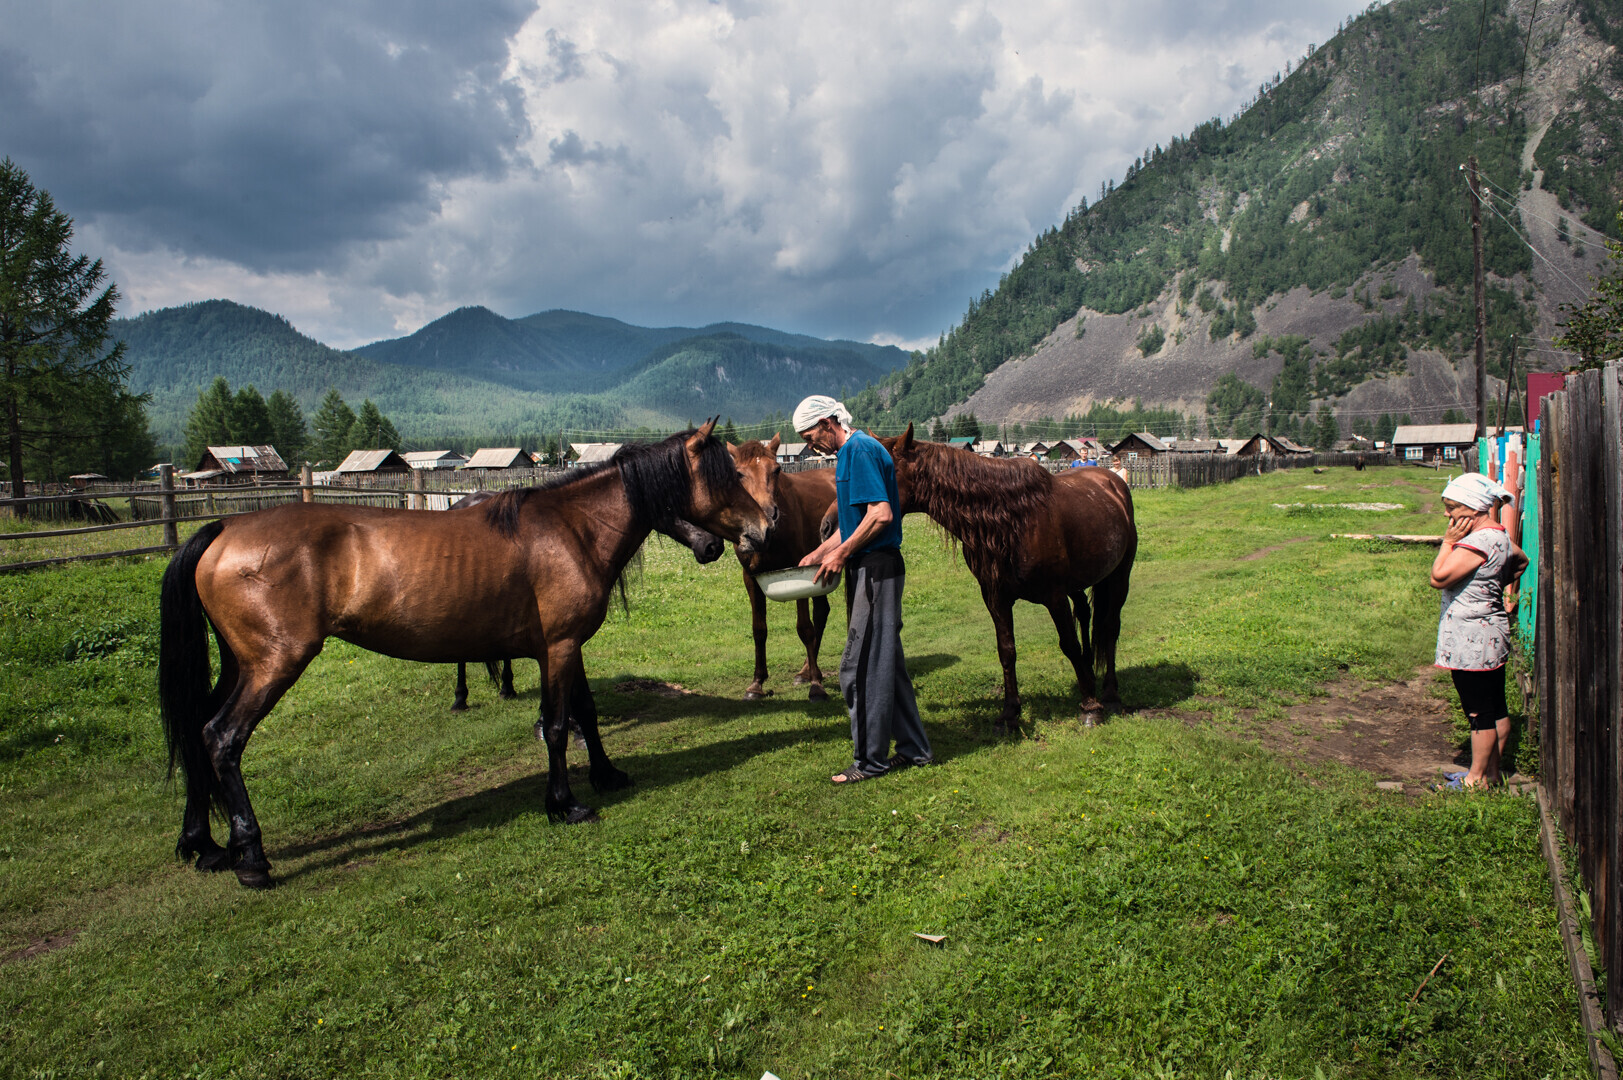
(852, 776)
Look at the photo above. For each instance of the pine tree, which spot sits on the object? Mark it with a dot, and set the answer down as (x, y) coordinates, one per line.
(371, 430)
(331, 425)
(288, 432)
(250, 418)
(1594, 329)
(1326, 431)
(211, 421)
(54, 363)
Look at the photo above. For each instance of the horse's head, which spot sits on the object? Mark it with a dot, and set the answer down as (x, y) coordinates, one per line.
(706, 547)
(905, 453)
(722, 500)
(759, 471)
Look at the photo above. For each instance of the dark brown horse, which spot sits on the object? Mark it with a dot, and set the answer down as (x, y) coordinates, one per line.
(801, 500)
(1030, 535)
(530, 575)
(706, 548)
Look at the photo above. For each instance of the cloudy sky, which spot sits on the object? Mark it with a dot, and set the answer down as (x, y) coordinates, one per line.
(844, 169)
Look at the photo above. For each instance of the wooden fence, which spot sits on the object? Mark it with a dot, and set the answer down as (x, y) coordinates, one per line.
(162, 505)
(1578, 641)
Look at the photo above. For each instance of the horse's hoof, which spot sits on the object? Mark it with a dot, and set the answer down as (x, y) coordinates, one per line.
(817, 693)
(801, 680)
(610, 779)
(575, 816)
(508, 695)
(212, 862)
(460, 706)
(255, 877)
(1093, 718)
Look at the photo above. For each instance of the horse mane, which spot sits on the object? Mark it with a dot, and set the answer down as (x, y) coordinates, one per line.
(658, 482)
(987, 503)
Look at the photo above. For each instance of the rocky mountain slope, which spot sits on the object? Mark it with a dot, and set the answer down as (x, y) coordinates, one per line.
(1327, 224)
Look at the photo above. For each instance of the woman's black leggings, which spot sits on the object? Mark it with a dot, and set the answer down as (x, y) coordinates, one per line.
(1482, 694)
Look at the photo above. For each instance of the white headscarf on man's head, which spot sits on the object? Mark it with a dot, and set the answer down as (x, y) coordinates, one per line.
(814, 408)
(1475, 491)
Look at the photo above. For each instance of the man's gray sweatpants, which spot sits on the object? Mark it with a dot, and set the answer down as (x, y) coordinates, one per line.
(873, 672)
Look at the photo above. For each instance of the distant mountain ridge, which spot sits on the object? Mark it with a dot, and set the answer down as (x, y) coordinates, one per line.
(573, 351)
(474, 375)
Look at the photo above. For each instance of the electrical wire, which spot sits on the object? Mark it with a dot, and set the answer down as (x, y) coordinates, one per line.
(1503, 196)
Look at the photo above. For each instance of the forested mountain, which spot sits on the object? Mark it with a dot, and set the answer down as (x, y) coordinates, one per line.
(474, 377)
(571, 351)
(1317, 245)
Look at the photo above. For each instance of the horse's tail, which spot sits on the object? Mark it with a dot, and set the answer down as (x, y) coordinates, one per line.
(184, 690)
(494, 672)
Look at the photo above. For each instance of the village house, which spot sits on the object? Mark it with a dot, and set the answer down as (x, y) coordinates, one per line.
(1139, 446)
(592, 453)
(428, 460)
(498, 459)
(372, 463)
(1197, 446)
(1433, 443)
(793, 451)
(236, 465)
(988, 448)
(962, 442)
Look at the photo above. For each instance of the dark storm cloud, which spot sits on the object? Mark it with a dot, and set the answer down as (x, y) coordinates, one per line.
(267, 135)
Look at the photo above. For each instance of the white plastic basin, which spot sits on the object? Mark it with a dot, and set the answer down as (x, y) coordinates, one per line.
(795, 583)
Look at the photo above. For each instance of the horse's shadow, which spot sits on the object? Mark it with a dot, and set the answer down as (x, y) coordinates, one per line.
(524, 796)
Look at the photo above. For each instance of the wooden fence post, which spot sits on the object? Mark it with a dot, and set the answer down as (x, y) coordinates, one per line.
(419, 484)
(307, 484)
(166, 504)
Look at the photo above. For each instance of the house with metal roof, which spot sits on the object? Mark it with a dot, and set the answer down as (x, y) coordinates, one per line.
(372, 462)
(962, 442)
(237, 465)
(1444, 443)
(503, 457)
(434, 459)
(988, 448)
(593, 453)
(794, 451)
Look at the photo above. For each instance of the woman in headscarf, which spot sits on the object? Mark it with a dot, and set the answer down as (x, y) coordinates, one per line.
(1474, 564)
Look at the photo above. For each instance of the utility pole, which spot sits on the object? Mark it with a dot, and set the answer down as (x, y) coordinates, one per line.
(1510, 377)
(1481, 312)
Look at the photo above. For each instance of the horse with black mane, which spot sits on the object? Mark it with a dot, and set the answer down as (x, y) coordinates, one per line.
(531, 575)
(802, 499)
(1027, 534)
(706, 548)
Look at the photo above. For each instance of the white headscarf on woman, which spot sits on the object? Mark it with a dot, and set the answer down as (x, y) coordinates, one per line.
(814, 408)
(1475, 491)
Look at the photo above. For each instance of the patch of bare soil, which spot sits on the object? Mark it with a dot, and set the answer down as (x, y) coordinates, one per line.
(40, 946)
(1260, 552)
(1399, 732)
(652, 686)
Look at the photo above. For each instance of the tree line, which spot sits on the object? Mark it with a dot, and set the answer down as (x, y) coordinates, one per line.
(247, 418)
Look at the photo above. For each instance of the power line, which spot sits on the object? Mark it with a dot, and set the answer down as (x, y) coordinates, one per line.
(1495, 210)
(1500, 194)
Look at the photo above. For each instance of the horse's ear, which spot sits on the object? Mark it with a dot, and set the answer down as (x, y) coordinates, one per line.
(777, 440)
(905, 443)
(705, 429)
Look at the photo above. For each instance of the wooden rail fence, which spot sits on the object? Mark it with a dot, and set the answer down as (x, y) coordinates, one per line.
(1578, 642)
(162, 505)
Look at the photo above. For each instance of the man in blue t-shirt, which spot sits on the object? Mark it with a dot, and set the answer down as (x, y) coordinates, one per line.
(873, 671)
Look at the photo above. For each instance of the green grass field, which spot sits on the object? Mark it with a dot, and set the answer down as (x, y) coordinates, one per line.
(1149, 898)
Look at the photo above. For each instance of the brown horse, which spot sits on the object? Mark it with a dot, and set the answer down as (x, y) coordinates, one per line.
(1030, 535)
(801, 500)
(706, 548)
(530, 575)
